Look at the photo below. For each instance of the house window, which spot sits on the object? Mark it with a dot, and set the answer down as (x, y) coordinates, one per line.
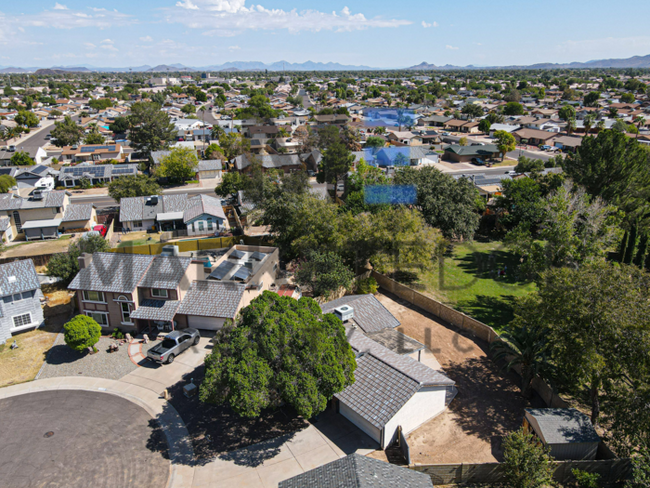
(93, 296)
(21, 320)
(157, 292)
(209, 224)
(17, 221)
(137, 224)
(126, 313)
(18, 297)
(99, 317)
(7, 299)
(200, 225)
(28, 294)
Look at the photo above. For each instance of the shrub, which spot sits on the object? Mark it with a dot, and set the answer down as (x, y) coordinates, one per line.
(81, 333)
(367, 285)
(585, 480)
(527, 463)
(117, 334)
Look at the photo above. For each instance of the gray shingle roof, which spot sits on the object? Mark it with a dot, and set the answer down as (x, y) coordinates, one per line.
(563, 425)
(25, 275)
(165, 272)
(136, 208)
(379, 391)
(395, 341)
(408, 366)
(77, 211)
(204, 204)
(5, 223)
(156, 310)
(356, 471)
(112, 272)
(369, 313)
(10, 201)
(210, 165)
(212, 299)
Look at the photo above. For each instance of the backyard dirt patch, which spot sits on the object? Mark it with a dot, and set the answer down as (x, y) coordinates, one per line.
(22, 364)
(216, 429)
(39, 248)
(488, 404)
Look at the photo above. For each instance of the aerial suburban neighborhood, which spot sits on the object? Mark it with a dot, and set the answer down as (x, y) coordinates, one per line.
(314, 274)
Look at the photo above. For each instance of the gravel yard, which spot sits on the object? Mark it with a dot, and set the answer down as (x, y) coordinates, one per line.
(63, 361)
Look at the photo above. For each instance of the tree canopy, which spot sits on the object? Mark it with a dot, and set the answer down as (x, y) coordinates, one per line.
(21, 158)
(66, 265)
(81, 333)
(133, 186)
(337, 161)
(150, 128)
(66, 133)
(178, 166)
(323, 273)
(280, 351)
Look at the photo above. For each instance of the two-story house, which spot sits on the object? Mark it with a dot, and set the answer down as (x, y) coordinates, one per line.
(37, 216)
(20, 298)
(92, 153)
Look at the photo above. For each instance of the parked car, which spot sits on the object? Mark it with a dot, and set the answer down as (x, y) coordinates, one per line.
(478, 161)
(173, 344)
(101, 229)
(512, 173)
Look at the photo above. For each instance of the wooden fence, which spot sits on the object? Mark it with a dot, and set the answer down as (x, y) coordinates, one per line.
(192, 245)
(611, 471)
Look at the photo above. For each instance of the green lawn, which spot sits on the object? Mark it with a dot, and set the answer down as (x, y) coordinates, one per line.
(469, 281)
(137, 242)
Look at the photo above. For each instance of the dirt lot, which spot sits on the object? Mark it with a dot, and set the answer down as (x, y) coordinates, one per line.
(38, 248)
(488, 404)
(22, 364)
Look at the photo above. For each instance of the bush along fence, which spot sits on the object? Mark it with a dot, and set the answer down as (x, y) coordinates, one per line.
(611, 470)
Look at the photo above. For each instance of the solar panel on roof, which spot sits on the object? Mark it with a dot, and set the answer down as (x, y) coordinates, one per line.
(222, 270)
(258, 256)
(242, 273)
(236, 254)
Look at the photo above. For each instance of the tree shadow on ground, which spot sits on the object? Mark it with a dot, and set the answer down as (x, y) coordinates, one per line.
(488, 265)
(215, 429)
(488, 404)
(496, 312)
(62, 354)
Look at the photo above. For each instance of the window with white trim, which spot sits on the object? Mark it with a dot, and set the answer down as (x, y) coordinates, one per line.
(200, 225)
(159, 293)
(93, 296)
(99, 317)
(126, 313)
(209, 224)
(137, 224)
(21, 320)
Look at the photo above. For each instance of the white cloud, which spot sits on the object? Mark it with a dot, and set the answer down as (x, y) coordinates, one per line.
(146, 39)
(234, 48)
(426, 26)
(107, 41)
(225, 18)
(58, 6)
(89, 45)
(452, 48)
(61, 17)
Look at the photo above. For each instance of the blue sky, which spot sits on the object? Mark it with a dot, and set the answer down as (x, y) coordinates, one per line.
(375, 33)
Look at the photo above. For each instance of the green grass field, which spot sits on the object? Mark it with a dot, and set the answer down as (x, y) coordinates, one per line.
(469, 281)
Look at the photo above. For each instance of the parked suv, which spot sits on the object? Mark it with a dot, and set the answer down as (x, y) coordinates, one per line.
(173, 344)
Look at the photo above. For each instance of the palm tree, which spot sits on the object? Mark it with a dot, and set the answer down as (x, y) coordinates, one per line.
(601, 125)
(571, 126)
(639, 121)
(589, 122)
(217, 131)
(525, 348)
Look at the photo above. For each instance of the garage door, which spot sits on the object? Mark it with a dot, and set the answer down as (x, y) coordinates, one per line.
(207, 323)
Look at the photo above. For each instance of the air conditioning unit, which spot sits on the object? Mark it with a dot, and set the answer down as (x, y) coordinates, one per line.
(170, 251)
(344, 312)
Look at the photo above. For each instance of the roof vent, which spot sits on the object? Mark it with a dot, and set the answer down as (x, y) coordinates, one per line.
(344, 312)
(11, 279)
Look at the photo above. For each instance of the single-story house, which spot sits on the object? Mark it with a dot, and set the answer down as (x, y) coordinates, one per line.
(79, 217)
(357, 471)
(285, 162)
(567, 143)
(434, 120)
(505, 127)
(92, 153)
(568, 432)
(20, 298)
(533, 136)
(197, 215)
(396, 156)
(71, 176)
(455, 124)
(405, 137)
(464, 154)
(391, 390)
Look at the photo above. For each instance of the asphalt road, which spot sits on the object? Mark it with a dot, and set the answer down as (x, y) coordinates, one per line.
(34, 141)
(78, 439)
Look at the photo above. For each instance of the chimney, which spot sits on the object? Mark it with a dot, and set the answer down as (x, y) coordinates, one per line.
(84, 260)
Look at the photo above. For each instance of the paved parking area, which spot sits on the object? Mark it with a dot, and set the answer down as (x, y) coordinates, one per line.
(76, 439)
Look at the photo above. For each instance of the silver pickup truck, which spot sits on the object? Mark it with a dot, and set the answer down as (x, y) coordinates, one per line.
(173, 344)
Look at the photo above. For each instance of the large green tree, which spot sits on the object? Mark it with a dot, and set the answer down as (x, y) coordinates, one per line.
(133, 186)
(179, 165)
(446, 203)
(506, 142)
(526, 462)
(66, 265)
(323, 273)
(6, 182)
(336, 163)
(66, 133)
(280, 351)
(81, 333)
(21, 158)
(150, 129)
(231, 183)
(28, 119)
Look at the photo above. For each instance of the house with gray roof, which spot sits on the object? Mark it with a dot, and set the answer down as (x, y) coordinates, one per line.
(391, 387)
(357, 471)
(197, 215)
(20, 298)
(208, 304)
(209, 169)
(133, 291)
(79, 217)
(465, 154)
(45, 209)
(71, 176)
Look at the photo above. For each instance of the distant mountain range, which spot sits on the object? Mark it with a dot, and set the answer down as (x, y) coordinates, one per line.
(633, 62)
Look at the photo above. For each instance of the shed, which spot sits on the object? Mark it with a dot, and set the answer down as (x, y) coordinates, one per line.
(42, 229)
(568, 432)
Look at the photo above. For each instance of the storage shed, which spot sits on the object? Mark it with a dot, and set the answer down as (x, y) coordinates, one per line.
(42, 229)
(568, 432)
